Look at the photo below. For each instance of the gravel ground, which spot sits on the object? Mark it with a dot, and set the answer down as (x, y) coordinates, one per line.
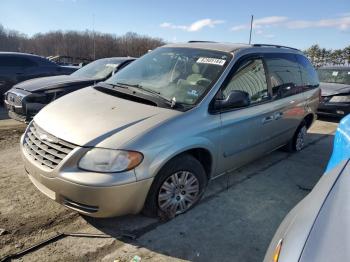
(235, 221)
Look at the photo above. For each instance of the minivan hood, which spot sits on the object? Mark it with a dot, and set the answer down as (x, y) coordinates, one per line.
(88, 117)
(50, 82)
(331, 89)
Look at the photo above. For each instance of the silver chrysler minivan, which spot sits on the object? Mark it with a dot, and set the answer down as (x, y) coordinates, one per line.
(152, 136)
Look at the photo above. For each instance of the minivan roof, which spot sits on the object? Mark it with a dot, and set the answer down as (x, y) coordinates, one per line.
(227, 47)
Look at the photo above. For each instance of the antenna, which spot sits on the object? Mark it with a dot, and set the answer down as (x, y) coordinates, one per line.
(93, 36)
(251, 28)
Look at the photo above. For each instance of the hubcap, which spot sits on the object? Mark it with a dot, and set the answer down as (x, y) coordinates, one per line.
(300, 142)
(178, 192)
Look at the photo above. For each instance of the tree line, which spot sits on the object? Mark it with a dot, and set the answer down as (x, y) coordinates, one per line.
(322, 56)
(87, 44)
(94, 45)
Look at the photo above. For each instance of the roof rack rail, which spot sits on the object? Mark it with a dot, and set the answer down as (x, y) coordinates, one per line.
(277, 46)
(199, 41)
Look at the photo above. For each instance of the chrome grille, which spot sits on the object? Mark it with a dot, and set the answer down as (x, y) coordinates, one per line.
(14, 99)
(44, 148)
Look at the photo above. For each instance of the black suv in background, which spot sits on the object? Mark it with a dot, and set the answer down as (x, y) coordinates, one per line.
(27, 98)
(17, 67)
(335, 86)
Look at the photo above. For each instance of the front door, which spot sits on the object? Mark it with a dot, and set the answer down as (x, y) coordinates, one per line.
(245, 131)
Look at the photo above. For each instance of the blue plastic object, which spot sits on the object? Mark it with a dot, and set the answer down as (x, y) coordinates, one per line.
(341, 147)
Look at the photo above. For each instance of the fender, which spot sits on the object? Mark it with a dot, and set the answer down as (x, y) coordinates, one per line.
(151, 167)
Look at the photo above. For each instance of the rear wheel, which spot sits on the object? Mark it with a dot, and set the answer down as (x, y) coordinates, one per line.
(297, 143)
(177, 187)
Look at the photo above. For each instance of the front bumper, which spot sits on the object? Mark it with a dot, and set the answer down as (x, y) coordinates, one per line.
(15, 112)
(88, 198)
(334, 109)
(19, 108)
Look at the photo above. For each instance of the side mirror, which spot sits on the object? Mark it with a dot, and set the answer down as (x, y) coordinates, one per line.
(235, 99)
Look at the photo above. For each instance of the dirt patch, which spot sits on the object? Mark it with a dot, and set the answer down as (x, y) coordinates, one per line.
(9, 135)
(25, 215)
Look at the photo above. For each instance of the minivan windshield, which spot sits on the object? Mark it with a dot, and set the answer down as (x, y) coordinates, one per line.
(177, 74)
(98, 69)
(339, 76)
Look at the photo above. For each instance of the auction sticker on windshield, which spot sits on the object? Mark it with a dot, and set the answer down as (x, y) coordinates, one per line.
(112, 65)
(212, 61)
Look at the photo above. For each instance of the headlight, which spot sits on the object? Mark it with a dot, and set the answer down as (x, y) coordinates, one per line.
(340, 99)
(109, 160)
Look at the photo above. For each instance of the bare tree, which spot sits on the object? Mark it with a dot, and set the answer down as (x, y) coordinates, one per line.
(78, 44)
(81, 45)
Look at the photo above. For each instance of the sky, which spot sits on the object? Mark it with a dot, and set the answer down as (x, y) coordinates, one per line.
(297, 23)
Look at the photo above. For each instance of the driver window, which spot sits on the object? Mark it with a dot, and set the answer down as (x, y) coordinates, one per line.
(250, 77)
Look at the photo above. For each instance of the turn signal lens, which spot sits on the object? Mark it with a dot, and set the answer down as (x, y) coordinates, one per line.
(135, 159)
(276, 253)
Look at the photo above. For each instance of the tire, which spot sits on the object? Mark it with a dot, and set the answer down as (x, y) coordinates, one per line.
(297, 143)
(178, 186)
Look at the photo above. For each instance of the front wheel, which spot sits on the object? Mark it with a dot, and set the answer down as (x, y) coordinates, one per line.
(177, 187)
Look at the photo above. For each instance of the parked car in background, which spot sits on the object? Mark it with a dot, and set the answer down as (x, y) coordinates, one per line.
(154, 134)
(318, 228)
(335, 86)
(27, 98)
(69, 60)
(17, 67)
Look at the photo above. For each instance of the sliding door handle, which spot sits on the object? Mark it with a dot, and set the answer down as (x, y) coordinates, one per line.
(268, 119)
(278, 115)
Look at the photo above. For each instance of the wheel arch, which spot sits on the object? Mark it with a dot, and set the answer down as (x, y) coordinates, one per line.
(204, 154)
(309, 119)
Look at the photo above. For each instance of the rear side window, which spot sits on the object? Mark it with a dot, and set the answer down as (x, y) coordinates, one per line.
(308, 73)
(250, 77)
(284, 75)
(15, 61)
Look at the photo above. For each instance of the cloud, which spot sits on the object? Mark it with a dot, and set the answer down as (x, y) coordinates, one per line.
(239, 27)
(263, 34)
(342, 22)
(172, 26)
(268, 35)
(196, 26)
(270, 20)
(262, 22)
(344, 14)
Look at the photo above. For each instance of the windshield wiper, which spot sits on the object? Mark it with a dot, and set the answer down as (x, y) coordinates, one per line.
(125, 85)
(171, 102)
